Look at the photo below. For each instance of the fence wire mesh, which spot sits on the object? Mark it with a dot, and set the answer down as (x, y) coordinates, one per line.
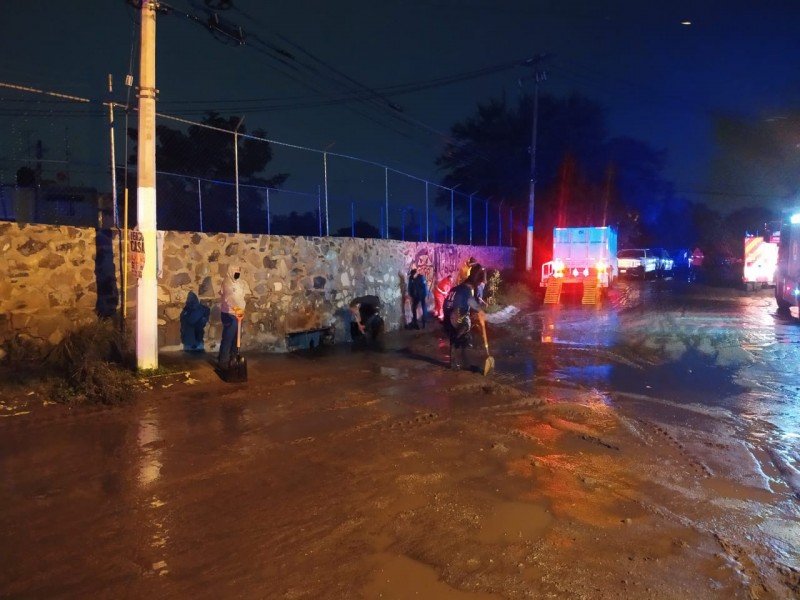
(216, 176)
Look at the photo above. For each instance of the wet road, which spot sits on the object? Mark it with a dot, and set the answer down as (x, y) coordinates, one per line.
(641, 449)
(714, 351)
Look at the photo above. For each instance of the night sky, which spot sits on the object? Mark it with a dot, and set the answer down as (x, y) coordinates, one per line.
(661, 81)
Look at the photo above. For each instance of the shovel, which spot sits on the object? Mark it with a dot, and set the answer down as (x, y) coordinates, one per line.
(237, 368)
(488, 362)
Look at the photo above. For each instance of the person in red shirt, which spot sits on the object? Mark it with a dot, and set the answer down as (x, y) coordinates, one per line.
(439, 294)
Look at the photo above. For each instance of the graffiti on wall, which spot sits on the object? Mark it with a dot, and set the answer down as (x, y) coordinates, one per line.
(446, 261)
(424, 264)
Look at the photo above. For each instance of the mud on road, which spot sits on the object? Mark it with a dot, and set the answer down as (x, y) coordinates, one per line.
(385, 475)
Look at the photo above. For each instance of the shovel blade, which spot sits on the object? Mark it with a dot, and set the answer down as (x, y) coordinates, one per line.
(488, 365)
(237, 370)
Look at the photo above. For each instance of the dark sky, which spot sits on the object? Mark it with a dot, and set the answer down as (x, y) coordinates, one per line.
(661, 81)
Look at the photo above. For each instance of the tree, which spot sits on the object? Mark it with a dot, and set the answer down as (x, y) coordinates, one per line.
(757, 161)
(582, 177)
(360, 229)
(295, 223)
(197, 168)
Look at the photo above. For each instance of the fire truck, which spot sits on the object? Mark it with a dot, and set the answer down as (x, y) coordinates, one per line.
(760, 260)
(584, 258)
(787, 275)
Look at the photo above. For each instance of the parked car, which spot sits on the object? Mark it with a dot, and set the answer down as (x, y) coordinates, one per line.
(637, 262)
(665, 265)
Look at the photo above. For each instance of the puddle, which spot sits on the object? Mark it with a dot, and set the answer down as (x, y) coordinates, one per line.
(515, 521)
(401, 578)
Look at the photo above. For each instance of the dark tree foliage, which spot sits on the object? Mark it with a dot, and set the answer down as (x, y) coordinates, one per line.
(26, 177)
(306, 224)
(361, 229)
(197, 172)
(582, 176)
(757, 160)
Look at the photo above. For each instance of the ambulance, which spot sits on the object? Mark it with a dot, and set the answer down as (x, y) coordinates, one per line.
(760, 260)
(787, 275)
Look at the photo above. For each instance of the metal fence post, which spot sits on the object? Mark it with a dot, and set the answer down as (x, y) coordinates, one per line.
(470, 217)
(319, 209)
(452, 191)
(236, 167)
(352, 219)
(327, 223)
(500, 224)
(269, 227)
(427, 227)
(200, 202)
(386, 174)
(486, 222)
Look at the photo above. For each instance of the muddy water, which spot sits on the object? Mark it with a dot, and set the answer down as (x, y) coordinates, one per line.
(620, 452)
(721, 353)
(713, 371)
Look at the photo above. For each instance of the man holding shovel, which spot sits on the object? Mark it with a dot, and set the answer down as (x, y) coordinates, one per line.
(232, 303)
(458, 307)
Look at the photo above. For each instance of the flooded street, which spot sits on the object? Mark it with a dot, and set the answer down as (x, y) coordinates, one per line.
(646, 448)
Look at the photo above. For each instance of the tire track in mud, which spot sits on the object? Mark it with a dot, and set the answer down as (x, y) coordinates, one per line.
(666, 436)
(763, 576)
(759, 569)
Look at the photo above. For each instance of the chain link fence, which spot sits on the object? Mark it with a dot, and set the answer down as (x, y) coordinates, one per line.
(56, 153)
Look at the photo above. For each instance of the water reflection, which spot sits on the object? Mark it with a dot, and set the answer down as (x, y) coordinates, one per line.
(148, 439)
(577, 327)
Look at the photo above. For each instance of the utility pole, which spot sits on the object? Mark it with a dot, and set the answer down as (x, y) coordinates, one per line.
(538, 76)
(147, 289)
(113, 154)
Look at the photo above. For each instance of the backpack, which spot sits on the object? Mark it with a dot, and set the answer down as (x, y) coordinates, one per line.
(447, 310)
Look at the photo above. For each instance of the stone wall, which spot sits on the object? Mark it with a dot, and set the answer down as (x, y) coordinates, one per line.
(55, 278)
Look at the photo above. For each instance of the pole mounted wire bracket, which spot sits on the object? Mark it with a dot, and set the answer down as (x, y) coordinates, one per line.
(227, 30)
(219, 4)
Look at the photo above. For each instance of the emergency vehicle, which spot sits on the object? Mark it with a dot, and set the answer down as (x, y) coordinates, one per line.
(787, 275)
(760, 260)
(584, 258)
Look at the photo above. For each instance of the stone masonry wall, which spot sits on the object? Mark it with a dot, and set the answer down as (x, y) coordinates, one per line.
(56, 278)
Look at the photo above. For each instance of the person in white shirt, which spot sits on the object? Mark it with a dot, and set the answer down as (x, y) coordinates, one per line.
(232, 302)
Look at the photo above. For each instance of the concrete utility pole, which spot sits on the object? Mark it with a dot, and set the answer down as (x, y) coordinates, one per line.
(147, 290)
(538, 76)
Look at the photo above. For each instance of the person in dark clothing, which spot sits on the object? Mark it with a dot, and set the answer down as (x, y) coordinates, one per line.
(418, 291)
(366, 323)
(194, 318)
(458, 306)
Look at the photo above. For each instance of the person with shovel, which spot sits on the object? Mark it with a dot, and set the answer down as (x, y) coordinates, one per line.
(232, 303)
(458, 307)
